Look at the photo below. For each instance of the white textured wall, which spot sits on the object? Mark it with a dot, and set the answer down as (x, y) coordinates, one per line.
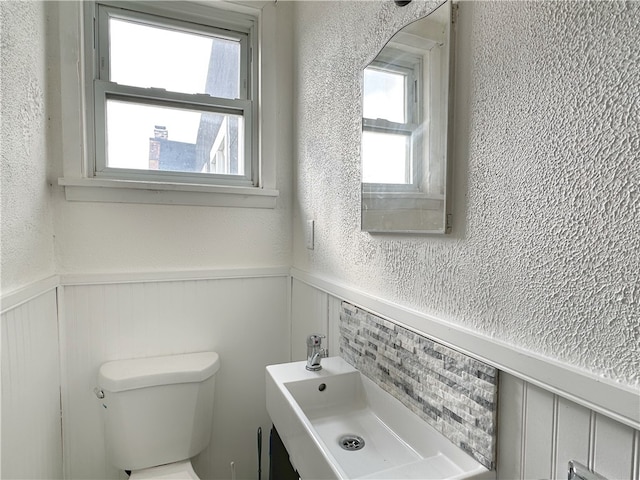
(106, 238)
(27, 229)
(544, 253)
(112, 237)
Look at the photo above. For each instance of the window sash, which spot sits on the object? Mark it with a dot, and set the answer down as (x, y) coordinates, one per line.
(106, 12)
(413, 169)
(411, 70)
(103, 90)
(203, 103)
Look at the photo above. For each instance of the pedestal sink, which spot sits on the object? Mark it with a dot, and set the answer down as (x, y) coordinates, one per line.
(338, 424)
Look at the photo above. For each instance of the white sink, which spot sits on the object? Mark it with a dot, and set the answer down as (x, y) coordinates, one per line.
(313, 411)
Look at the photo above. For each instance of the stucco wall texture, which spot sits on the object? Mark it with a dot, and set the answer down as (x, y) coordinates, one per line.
(545, 252)
(26, 236)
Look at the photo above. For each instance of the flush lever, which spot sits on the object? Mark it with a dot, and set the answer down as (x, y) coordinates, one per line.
(577, 471)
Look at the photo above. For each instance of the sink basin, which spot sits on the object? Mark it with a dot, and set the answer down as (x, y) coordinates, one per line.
(338, 424)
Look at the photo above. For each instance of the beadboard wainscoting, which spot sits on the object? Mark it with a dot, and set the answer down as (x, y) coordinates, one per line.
(539, 432)
(57, 332)
(240, 315)
(539, 428)
(31, 424)
(54, 341)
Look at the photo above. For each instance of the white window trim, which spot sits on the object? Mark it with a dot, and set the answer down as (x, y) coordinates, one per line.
(78, 180)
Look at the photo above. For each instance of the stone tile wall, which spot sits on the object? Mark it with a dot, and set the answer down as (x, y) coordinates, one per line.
(453, 392)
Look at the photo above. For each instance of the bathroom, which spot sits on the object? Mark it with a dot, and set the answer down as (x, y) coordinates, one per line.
(539, 275)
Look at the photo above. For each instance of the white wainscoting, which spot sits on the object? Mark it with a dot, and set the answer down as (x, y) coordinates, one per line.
(243, 318)
(539, 431)
(244, 315)
(58, 331)
(31, 423)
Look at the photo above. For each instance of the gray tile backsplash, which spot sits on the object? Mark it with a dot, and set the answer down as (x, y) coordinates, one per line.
(454, 393)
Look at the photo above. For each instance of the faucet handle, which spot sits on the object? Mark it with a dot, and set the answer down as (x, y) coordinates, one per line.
(315, 352)
(315, 340)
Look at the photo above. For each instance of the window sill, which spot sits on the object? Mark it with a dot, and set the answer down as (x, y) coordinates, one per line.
(382, 193)
(128, 191)
(402, 200)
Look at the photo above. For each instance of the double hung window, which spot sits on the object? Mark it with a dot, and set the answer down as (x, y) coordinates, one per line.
(391, 114)
(173, 95)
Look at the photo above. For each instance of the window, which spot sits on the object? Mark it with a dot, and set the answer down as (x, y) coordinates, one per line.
(173, 95)
(391, 115)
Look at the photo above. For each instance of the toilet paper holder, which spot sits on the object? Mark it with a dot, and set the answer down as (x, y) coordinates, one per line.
(577, 471)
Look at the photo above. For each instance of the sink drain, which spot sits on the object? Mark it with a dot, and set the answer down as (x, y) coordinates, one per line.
(351, 442)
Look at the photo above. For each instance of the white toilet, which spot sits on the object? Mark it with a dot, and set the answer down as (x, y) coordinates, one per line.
(158, 412)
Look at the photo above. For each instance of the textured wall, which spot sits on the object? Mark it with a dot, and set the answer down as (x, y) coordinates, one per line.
(108, 237)
(27, 228)
(544, 253)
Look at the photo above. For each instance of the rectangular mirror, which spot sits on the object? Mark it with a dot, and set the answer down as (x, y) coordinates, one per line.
(405, 129)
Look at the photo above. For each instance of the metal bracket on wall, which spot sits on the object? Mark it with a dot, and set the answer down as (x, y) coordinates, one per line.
(449, 223)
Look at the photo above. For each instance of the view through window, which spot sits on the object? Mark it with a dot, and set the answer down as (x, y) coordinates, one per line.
(173, 96)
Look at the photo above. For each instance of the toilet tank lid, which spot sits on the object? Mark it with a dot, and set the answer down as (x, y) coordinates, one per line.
(121, 375)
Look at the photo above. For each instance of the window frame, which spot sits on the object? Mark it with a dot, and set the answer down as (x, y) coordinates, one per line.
(99, 88)
(412, 68)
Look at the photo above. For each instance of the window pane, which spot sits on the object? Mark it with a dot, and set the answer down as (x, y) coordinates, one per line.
(384, 95)
(385, 158)
(148, 137)
(146, 56)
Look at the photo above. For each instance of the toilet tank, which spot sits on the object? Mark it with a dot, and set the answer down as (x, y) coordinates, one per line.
(157, 410)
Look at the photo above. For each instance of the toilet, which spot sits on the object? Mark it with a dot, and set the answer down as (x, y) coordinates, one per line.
(158, 412)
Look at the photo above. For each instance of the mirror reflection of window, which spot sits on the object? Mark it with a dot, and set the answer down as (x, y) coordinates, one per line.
(405, 129)
(387, 158)
(385, 94)
(390, 116)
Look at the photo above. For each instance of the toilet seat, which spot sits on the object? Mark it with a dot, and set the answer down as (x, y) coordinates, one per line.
(172, 471)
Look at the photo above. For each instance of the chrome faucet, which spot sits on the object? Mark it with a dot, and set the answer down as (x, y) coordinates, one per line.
(315, 352)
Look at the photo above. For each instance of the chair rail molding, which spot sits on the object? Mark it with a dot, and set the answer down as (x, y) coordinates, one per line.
(619, 402)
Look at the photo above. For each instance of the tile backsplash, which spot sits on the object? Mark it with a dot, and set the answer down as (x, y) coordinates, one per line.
(454, 393)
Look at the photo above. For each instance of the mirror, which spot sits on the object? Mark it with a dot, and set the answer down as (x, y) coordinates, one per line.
(405, 130)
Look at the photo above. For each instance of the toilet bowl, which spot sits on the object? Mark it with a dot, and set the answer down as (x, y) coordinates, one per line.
(158, 412)
(173, 471)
